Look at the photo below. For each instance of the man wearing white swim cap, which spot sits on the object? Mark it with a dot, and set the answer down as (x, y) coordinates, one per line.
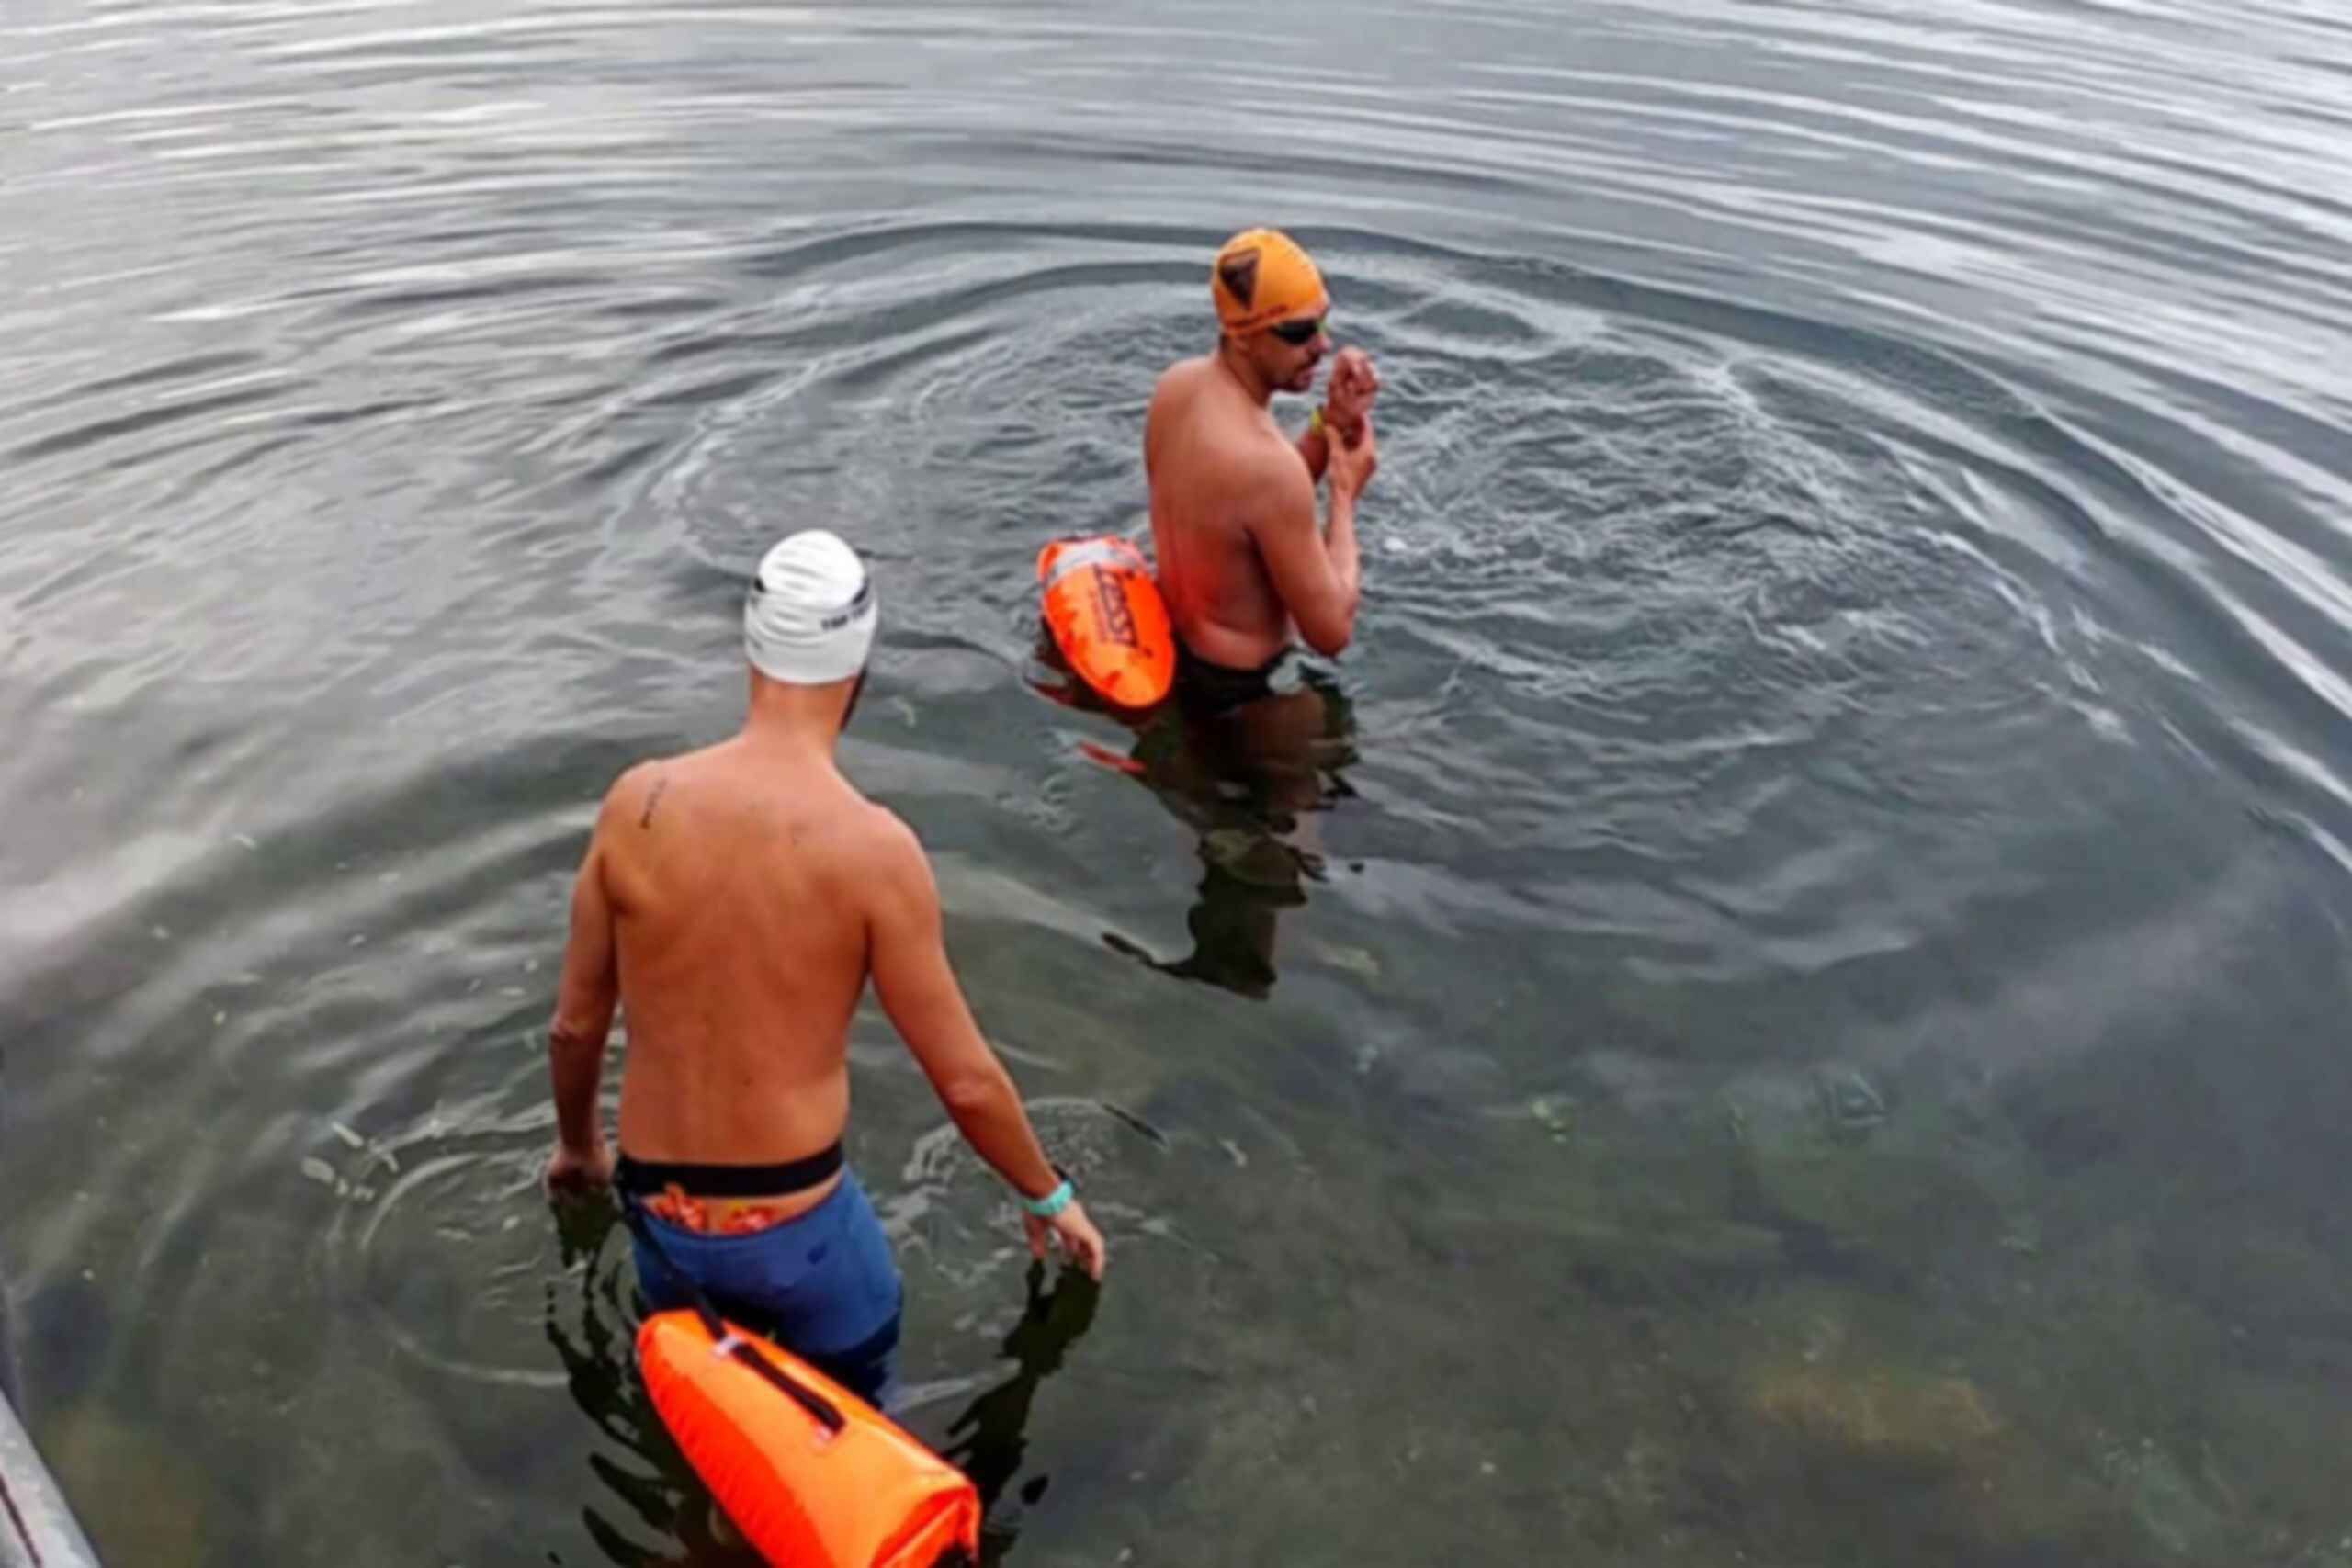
(734, 901)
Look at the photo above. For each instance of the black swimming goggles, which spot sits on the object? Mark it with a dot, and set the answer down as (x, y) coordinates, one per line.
(1299, 334)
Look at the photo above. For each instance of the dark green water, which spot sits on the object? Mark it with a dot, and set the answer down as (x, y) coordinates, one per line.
(1784, 1005)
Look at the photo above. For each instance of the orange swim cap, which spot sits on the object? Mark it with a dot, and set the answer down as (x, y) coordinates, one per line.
(1261, 277)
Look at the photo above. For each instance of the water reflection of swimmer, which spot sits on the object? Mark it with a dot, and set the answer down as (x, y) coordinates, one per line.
(659, 1495)
(994, 1428)
(1249, 767)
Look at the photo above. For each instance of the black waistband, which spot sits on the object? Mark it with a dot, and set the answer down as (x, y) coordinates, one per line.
(728, 1180)
(1202, 685)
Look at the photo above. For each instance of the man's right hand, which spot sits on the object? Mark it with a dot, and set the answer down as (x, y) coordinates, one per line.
(1352, 467)
(572, 1173)
(1080, 1242)
(1355, 384)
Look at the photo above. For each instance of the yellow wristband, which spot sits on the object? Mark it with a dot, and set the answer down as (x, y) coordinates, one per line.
(1314, 423)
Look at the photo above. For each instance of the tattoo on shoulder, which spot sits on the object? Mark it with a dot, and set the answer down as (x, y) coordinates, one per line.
(652, 800)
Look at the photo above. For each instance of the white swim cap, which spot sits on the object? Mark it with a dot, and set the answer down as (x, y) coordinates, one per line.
(811, 615)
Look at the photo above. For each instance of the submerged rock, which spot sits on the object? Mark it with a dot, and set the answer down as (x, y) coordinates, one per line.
(140, 1497)
(1849, 1106)
(1882, 1412)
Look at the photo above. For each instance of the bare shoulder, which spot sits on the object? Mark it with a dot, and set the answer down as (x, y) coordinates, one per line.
(646, 790)
(887, 838)
(1174, 394)
(888, 859)
(1179, 378)
(1267, 474)
(639, 786)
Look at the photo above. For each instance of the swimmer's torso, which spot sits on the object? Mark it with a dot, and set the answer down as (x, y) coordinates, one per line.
(1203, 441)
(741, 931)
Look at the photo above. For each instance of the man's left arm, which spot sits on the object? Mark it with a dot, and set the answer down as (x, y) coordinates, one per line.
(586, 998)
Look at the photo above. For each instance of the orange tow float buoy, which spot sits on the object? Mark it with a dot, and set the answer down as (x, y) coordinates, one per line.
(813, 1476)
(1108, 618)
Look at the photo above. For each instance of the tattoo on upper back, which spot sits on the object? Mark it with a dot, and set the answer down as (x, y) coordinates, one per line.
(652, 801)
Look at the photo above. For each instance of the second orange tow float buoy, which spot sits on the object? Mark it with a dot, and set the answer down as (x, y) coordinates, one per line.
(1108, 619)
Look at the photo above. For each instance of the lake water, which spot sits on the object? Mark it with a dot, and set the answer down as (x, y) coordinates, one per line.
(1785, 1003)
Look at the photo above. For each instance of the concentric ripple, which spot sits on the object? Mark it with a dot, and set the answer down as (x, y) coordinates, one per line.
(1807, 943)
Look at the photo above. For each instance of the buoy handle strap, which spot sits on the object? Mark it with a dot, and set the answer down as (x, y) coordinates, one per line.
(724, 1341)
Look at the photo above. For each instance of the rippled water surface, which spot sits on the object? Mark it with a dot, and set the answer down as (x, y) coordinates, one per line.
(1785, 1003)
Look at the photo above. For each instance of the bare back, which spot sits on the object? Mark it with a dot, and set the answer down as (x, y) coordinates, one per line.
(740, 927)
(1207, 450)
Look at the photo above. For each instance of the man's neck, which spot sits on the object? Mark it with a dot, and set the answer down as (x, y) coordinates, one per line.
(798, 722)
(1237, 365)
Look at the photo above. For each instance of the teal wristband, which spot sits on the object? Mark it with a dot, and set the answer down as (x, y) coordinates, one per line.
(1053, 1202)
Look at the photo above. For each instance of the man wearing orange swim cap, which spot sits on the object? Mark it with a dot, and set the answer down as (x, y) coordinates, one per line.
(1242, 558)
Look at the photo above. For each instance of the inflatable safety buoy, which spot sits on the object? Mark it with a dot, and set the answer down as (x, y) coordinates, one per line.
(813, 1476)
(1108, 618)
